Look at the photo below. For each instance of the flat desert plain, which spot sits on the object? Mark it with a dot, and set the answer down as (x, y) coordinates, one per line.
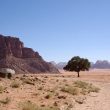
(64, 91)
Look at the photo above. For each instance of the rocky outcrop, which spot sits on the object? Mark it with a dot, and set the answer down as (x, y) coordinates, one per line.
(13, 46)
(10, 46)
(14, 55)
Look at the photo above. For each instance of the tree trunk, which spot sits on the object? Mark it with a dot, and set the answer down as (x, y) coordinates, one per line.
(78, 74)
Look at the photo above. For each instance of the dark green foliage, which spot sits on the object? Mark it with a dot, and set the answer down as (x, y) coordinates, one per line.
(77, 64)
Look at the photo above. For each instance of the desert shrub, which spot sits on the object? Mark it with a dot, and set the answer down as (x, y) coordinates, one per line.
(40, 88)
(28, 106)
(93, 89)
(70, 89)
(86, 87)
(61, 97)
(81, 84)
(2, 89)
(5, 101)
(80, 87)
(35, 94)
(84, 91)
(31, 106)
(15, 84)
(49, 95)
(28, 81)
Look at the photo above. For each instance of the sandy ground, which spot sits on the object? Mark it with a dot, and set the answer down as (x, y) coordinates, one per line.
(45, 84)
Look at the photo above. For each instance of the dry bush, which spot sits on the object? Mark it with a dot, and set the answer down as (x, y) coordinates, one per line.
(80, 87)
(70, 89)
(28, 106)
(81, 84)
(31, 106)
(40, 88)
(15, 84)
(49, 95)
(2, 89)
(86, 87)
(94, 89)
(5, 101)
(28, 81)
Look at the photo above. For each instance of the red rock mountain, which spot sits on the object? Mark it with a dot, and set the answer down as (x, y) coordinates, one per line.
(14, 55)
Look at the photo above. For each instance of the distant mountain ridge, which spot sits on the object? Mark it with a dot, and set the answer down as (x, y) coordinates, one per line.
(99, 64)
(59, 65)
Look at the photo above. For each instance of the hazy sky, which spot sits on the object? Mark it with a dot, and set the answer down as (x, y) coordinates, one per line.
(59, 29)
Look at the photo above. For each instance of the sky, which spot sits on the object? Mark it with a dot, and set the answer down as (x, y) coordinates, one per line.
(59, 29)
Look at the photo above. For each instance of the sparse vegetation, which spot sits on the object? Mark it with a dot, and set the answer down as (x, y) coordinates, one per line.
(5, 101)
(31, 106)
(86, 87)
(70, 89)
(49, 95)
(28, 106)
(80, 87)
(28, 81)
(15, 84)
(40, 88)
(2, 89)
(54, 95)
(94, 89)
(81, 84)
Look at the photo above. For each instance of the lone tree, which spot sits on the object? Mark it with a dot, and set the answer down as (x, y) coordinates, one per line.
(77, 64)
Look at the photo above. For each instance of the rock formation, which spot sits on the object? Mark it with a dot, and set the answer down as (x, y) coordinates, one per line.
(14, 55)
(101, 64)
(59, 65)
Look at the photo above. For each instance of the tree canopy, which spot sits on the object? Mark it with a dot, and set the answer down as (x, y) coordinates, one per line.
(77, 64)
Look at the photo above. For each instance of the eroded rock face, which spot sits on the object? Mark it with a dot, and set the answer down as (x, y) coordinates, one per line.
(14, 55)
(10, 46)
(13, 46)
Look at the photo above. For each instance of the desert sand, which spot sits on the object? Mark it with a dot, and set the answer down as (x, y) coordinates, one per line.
(44, 90)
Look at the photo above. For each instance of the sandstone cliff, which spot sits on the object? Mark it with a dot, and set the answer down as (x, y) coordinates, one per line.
(14, 55)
